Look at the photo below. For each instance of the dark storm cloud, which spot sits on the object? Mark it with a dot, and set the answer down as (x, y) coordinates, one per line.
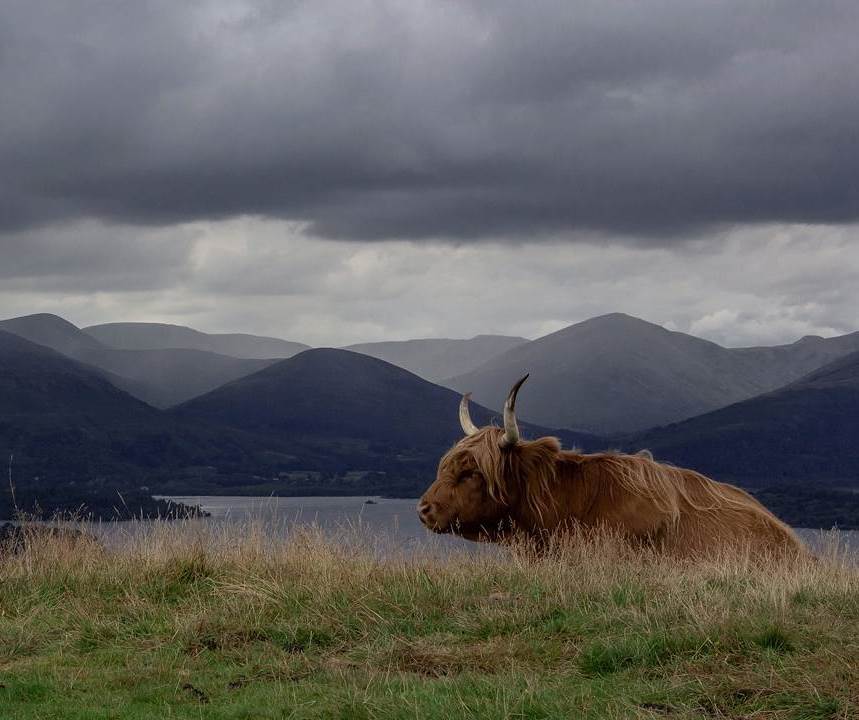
(373, 120)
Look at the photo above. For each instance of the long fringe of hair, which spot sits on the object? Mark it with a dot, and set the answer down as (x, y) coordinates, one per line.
(533, 466)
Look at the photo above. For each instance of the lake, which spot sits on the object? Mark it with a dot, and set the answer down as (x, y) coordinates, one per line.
(393, 519)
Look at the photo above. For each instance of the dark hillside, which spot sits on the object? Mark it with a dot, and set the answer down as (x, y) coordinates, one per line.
(69, 437)
(160, 377)
(349, 403)
(805, 432)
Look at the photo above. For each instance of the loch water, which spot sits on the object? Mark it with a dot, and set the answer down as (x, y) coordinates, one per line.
(393, 519)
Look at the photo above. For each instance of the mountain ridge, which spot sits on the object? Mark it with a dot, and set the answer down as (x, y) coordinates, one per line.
(435, 359)
(163, 336)
(160, 377)
(287, 397)
(616, 373)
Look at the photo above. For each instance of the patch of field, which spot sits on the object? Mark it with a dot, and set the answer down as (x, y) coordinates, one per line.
(189, 624)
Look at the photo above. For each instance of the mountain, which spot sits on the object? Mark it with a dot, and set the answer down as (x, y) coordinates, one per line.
(322, 422)
(616, 373)
(64, 430)
(158, 336)
(337, 422)
(806, 432)
(52, 331)
(791, 362)
(435, 359)
(360, 411)
(161, 377)
(37, 382)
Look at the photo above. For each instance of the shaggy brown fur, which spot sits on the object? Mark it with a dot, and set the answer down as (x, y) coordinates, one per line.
(485, 492)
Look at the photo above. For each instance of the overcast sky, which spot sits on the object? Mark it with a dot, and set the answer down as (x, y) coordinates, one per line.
(336, 171)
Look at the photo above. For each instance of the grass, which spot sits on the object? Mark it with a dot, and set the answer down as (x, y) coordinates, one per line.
(190, 622)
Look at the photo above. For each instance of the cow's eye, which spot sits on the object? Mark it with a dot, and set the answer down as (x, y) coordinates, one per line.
(464, 475)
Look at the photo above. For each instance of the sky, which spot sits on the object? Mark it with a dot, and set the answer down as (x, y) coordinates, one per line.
(338, 171)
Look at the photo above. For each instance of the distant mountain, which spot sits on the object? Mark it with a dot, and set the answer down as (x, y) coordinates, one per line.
(64, 430)
(52, 331)
(158, 336)
(37, 382)
(788, 363)
(436, 359)
(616, 373)
(160, 377)
(322, 422)
(806, 432)
(344, 404)
(338, 422)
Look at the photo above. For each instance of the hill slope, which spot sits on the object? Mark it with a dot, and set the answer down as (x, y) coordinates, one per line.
(617, 373)
(160, 377)
(39, 382)
(75, 438)
(436, 359)
(343, 403)
(71, 437)
(804, 432)
(159, 336)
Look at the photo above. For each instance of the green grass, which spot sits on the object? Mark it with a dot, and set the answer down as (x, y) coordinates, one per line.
(185, 623)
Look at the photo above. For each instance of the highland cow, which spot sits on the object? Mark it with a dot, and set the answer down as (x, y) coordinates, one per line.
(493, 485)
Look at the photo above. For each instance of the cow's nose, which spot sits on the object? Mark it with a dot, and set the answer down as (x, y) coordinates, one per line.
(424, 511)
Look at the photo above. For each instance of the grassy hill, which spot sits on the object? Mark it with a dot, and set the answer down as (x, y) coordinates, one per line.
(227, 625)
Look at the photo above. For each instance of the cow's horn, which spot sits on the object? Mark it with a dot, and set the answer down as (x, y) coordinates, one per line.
(468, 427)
(511, 429)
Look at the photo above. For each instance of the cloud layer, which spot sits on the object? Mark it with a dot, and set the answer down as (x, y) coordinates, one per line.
(368, 120)
(766, 285)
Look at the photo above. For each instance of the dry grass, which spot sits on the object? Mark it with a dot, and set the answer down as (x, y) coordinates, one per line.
(186, 620)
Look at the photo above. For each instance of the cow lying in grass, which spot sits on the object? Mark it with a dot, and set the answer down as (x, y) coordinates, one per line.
(492, 485)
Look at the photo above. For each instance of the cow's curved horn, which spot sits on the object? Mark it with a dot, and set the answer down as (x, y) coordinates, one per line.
(468, 427)
(511, 428)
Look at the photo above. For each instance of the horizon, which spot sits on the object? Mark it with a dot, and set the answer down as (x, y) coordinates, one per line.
(346, 346)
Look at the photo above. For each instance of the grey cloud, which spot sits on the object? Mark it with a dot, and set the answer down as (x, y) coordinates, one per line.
(462, 121)
(91, 257)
